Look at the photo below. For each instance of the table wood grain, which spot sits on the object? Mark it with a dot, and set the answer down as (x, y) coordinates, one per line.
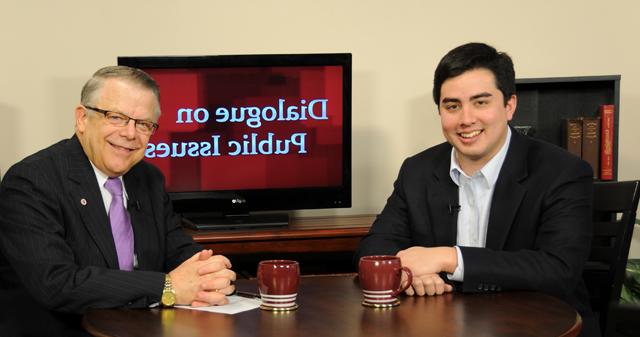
(331, 306)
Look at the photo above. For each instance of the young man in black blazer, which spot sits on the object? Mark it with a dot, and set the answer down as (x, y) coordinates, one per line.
(490, 209)
(58, 254)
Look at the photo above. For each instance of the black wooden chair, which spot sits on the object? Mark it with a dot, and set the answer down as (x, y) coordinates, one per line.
(614, 213)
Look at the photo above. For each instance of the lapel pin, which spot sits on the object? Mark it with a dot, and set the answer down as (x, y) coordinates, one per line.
(83, 202)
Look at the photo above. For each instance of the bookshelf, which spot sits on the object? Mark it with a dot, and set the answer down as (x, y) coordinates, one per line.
(544, 102)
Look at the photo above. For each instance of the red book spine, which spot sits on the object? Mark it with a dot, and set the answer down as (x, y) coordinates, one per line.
(606, 142)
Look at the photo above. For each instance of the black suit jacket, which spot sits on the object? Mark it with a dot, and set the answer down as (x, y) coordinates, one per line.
(58, 252)
(540, 221)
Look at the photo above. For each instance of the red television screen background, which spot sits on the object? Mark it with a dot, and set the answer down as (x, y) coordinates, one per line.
(250, 128)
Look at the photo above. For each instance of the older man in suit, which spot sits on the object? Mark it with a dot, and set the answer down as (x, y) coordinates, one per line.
(86, 224)
(490, 209)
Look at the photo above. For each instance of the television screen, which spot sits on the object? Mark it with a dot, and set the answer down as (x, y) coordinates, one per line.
(246, 133)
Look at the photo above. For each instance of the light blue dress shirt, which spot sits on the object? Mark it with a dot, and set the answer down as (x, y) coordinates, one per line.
(475, 194)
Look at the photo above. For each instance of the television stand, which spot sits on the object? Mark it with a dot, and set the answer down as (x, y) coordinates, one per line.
(321, 244)
(235, 221)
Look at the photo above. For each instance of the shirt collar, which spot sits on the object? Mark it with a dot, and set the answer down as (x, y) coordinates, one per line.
(102, 178)
(489, 171)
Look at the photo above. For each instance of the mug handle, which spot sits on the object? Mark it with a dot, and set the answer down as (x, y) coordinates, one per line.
(409, 281)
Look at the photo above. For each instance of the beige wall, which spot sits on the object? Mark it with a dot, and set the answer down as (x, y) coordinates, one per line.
(49, 48)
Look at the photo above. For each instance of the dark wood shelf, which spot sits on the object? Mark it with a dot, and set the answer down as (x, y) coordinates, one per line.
(544, 102)
(309, 234)
(321, 244)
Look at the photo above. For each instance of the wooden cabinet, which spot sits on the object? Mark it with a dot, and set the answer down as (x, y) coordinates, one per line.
(320, 244)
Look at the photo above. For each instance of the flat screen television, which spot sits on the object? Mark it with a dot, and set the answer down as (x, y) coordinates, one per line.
(243, 139)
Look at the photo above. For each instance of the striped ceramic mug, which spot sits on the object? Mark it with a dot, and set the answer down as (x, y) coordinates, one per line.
(380, 279)
(278, 282)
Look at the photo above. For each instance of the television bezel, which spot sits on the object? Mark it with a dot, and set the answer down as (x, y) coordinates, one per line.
(230, 202)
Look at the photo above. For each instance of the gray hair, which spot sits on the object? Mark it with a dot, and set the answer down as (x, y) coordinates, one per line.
(134, 75)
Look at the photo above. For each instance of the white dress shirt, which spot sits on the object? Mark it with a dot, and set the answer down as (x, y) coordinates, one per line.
(106, 195)
(475, 194)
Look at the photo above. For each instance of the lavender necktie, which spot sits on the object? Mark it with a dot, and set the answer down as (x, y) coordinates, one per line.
(120, 225)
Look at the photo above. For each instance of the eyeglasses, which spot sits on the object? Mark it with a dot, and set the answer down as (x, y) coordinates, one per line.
(120, 119)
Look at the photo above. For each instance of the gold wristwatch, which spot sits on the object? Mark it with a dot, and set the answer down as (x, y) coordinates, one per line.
(168, 294)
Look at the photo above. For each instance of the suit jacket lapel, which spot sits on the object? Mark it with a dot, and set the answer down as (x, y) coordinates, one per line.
(442, 193)
(84, 190)
(508, 192)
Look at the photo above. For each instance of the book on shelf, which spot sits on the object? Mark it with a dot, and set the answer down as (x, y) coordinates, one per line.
(572, 135)
(591, 138)
(606, 141)
(591, 143)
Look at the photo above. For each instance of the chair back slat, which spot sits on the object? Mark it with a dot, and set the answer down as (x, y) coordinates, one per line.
(606, 229)
(615, 196)
(601, 254)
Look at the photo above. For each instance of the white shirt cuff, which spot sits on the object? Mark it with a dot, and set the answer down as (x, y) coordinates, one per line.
(458, 274)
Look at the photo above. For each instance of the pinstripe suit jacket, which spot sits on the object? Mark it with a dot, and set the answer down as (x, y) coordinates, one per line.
(56, 241)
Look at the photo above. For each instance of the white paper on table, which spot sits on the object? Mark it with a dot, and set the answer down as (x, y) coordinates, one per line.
(236, 305)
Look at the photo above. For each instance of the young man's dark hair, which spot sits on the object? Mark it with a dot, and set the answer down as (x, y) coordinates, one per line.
(473, 56)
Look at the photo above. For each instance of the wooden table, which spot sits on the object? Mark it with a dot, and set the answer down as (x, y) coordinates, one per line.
(330, 306)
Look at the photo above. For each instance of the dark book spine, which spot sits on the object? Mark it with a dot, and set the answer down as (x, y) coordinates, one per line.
(572, 135)
(591, 143)
(606, 142)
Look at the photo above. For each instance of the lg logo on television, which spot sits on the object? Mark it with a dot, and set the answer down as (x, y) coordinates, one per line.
(238, 201)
